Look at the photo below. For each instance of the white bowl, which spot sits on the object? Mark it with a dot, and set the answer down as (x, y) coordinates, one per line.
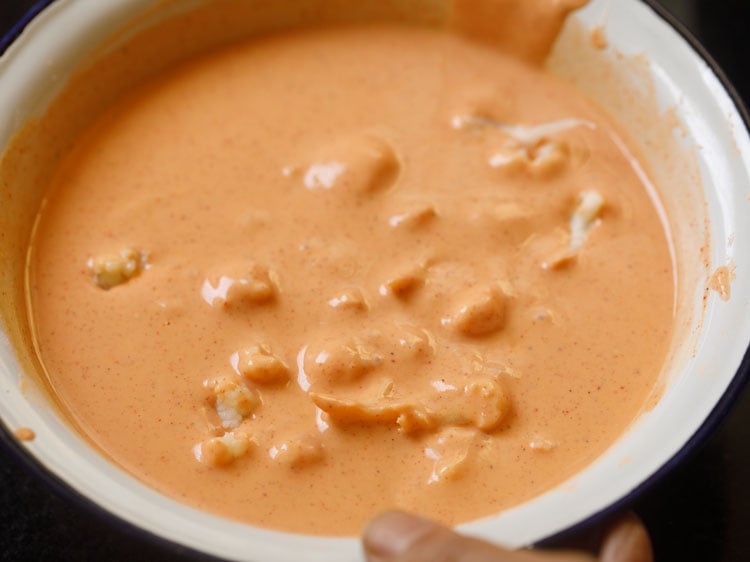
(707, 207)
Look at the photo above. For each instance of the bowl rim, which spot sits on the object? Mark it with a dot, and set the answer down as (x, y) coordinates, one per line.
(27, 460)
(741, 377)
(691, 447)
(18, 27)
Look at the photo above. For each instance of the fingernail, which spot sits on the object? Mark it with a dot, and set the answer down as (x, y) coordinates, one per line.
(394, 533)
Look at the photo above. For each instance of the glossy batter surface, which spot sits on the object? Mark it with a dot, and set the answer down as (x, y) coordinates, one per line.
(335, 271)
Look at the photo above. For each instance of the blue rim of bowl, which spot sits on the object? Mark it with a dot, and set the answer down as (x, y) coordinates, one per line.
(689, 449)
(20, 25)
(56, 484)
(733, 391)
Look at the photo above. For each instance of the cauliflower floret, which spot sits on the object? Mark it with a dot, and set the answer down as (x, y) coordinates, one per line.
(323, 175)
(482, 403)
(298, 453)
(526, 135)
(351, 299)
(481, 315)
(417, 341)
(529, 147)
(410, 418)
(542, 158)
(404, 283)
(584, 217)
(413, 218)
(415, 419)
(110, 270)
(223, 451)
(362, 165)
(487, 404)
(259, 365)
(548, 156)
(452, 451)
(233, 401)
(256, 285)
(343, 362)
(542, 445)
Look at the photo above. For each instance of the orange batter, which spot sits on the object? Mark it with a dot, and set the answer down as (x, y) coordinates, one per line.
(324, 273)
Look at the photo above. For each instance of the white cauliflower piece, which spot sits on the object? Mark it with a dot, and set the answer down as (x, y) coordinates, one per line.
(233, 401)
(415, 217)
(542, 158)
(481, 313)
(259, 365)
(256, 285)
(584, 217)
(110, 270)
(223, 451)
(527, 135)
(542, 445)
(298, 453)
(482, 403)
(453, 451)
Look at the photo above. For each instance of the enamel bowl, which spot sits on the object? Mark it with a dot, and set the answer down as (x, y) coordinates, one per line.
(653, 78)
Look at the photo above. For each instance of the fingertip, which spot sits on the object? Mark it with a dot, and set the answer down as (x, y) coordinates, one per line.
(627, 541)
(394, 532)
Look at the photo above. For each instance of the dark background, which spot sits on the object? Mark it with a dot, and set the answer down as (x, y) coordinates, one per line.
(698, 512)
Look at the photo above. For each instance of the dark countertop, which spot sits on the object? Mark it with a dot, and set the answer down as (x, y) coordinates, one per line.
(698, 512)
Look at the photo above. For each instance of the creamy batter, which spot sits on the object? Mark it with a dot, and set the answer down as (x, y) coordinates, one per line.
(334, 271)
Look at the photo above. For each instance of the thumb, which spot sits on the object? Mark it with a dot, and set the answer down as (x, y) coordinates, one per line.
(627, 541)
(398, 537)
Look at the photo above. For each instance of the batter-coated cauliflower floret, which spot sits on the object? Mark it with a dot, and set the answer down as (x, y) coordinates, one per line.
(417, 341)
(408, 417)
(482, 403)
(259, 365)
(543, 158)
(415, 420)
(342, 362)
(525, 135)
(487, 404)
(350, 299)
(223, 451)
(298, 453)
(451, 451)
(530, 148)
(542, 445)
(403, 283)
(256, 285)
(233, 401)
(481, 314)
(506, 212)
(413, 218)
(110, 270)
(362, 164)
(584, 217)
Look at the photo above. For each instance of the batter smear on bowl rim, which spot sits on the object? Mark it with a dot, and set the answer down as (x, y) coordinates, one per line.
(331, 271)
